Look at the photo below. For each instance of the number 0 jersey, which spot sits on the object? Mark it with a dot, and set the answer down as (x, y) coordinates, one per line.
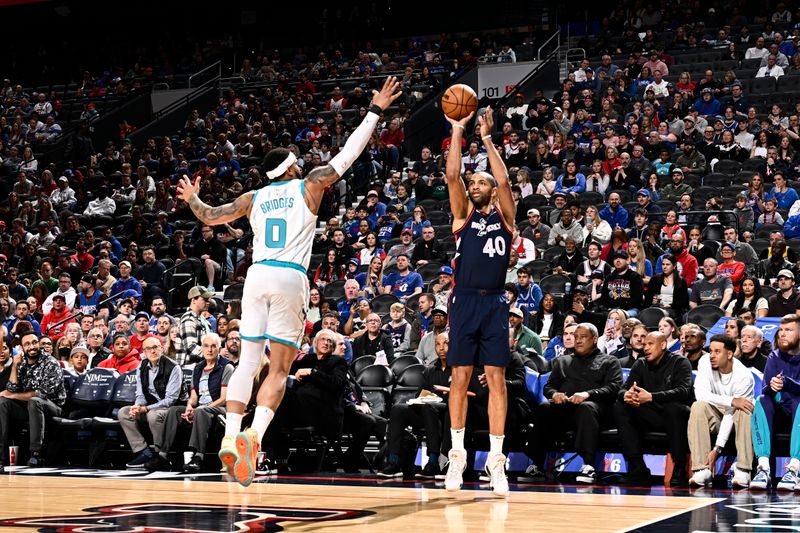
(483, 246)
(283, 225)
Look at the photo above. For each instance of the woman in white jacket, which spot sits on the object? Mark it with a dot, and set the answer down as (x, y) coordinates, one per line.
(595, 228)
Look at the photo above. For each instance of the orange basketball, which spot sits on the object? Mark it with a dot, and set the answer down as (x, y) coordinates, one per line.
(459, 101)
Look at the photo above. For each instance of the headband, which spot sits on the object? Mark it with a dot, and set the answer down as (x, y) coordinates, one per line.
(281, 169)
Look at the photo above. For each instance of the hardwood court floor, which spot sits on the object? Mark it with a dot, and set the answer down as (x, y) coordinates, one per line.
(153, 505)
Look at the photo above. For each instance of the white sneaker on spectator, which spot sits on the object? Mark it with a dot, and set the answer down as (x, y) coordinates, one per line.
(741, 478)
(703, 478)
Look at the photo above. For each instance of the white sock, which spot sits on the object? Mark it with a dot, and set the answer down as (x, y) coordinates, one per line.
(496, 444)
(763, 463)
(261, 420)
(233, 423)
(457, 435)
(794, 464)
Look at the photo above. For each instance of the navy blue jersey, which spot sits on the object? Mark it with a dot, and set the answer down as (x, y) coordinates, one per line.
(483, 245)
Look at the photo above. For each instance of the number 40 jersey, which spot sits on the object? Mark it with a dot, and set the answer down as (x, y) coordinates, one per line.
(283, 225)
(483, 245)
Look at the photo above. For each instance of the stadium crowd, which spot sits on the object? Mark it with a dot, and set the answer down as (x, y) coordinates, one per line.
(647, 210)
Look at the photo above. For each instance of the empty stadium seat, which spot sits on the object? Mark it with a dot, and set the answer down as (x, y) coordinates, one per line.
(400, 364)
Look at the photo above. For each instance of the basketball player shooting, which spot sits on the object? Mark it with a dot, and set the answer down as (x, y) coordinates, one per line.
(483, 215)
(283, 216)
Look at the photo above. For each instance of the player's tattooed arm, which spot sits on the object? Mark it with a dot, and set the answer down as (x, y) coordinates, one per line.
(207, 214)
(324, 176)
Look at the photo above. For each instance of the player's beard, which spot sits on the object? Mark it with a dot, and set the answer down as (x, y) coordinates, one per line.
(482, 201)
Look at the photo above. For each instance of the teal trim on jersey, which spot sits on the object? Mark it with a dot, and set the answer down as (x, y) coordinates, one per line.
(282, 341)
(282, 264)
(277, 183)
(252, 339)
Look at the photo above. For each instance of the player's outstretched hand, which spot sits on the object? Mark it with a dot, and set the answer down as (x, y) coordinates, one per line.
(486, 120)
(187, 189)
(463, 122)
(388, 93)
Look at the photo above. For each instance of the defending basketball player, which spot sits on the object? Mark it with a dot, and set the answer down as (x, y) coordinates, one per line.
(283, 216)
(483, 215)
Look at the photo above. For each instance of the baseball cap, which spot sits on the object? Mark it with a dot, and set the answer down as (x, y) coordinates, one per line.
(587, 124)
(728, 245)
(354, 261)
(619, 253)
(88, 278)
(406, 231)
(80, 348)
(125, 263)
(707, 90)
(141, 314)
(519, 95)
(442, 310)
(59, 295)
(517, 312)
(533, 211)
(676, 171)
(196, 291)
(446, 270)
(643, 192)
(690, 118)
(131, 293)
(64, 179)
(786, 273)
(372, 193)
(597, 273)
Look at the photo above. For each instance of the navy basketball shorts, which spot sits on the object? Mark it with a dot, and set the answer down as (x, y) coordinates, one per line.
(478, 329)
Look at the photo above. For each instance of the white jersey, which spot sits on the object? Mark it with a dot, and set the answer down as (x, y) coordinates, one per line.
(283, 225)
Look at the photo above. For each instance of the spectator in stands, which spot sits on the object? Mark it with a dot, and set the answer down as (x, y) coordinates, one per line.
(693, 339)
(623, 288)
(65, 290)
(427, 415)
(121, 358)
(524, 339)
(675, 190)
(428, 249)
(211, 252)
(443, 285)
(125, 281)
(150, 274)
(749, 298)
(729, 267)
(206, 402)
(34, 393)
(64, 196)
(567, 228)
(655, 397)
(78, 361)
(613, 213)
(426, 349)
(404, 283)
(759, 51)
(98, 353)
(474, 160)
(721, 405)
(787, 300)
(781, 192)
(769, 268)
(771, 68)
(101, 206)
(576, 400)
(193, 326)
(21, 315)
(713, 289)
(392, 141)
(141, 330)
(750, 343)
(158, 387)
(375, 341)
(536, 229)
(691, 161)
(780, 376)
(56, 320)
(316, 396)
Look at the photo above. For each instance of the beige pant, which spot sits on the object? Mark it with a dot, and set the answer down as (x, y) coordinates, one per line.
(704, 421)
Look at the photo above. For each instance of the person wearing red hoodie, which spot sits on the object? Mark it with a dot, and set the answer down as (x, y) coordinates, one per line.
(729, 267)
(59, 312)
(122, 358)
(686, 261)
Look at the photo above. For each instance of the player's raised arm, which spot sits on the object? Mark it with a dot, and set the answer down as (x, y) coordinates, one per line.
(207, 214)
(498, 168)
(321, 177)
(459, 203)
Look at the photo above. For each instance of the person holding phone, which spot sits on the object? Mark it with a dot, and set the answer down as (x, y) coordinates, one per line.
(612, 339)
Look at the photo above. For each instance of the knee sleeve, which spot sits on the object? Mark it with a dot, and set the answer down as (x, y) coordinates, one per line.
(240, 386)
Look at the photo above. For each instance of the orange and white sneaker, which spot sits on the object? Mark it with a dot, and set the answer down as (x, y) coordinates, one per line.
(247, 446)
(228, 454)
